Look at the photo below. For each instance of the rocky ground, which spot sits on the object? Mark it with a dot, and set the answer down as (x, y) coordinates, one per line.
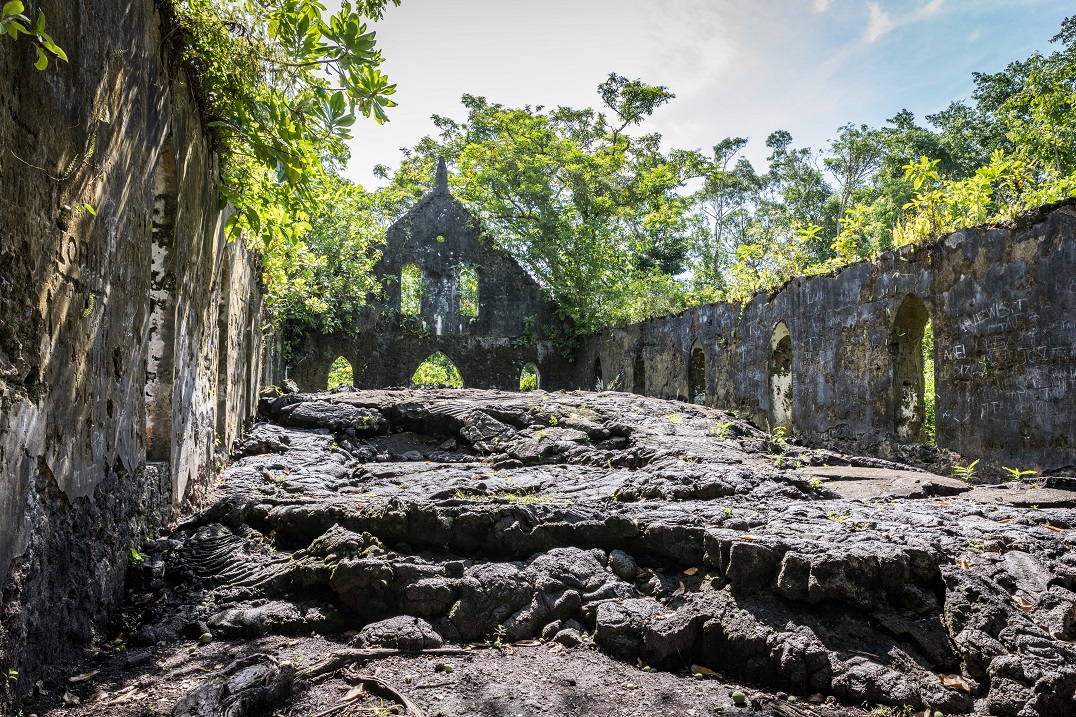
(464, 552)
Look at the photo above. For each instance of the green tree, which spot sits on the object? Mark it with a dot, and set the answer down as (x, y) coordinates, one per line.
(281, 85)
(593, 212)
(318, 283)
(726, 199)
(852, 158)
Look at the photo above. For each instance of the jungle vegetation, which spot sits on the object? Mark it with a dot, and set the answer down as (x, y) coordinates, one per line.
(616, 227)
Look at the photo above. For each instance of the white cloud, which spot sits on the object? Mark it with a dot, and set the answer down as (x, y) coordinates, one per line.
(882, 22)
(932, 8)
(821, 5)
(975, 36)
(694, 44)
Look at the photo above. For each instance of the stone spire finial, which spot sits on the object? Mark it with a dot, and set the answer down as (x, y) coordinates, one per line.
(441, 177)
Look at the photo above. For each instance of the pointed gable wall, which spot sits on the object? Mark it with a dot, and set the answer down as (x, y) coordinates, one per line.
(440, 236)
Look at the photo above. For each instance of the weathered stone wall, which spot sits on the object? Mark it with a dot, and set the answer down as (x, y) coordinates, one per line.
(836, 360)
(1002, 302)
(129, 341)
(439, 237)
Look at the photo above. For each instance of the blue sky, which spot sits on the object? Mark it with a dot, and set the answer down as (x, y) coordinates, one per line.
(738, 67)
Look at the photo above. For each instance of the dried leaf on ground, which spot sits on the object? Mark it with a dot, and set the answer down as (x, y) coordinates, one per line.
(955, 682)
(354, 693)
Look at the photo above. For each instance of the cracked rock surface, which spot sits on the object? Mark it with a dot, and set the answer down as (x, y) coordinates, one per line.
(664, 534)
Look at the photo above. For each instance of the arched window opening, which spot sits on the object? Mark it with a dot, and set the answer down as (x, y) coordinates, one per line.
(437, 371)
(469, 291)
(638, 373)
(913, 372)
(529, 378)
(696, 374)
(598, 378)
(340, 373)
(780, 372)
(410, 290)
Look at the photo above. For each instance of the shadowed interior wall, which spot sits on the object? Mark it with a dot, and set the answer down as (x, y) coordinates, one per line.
(130, 344)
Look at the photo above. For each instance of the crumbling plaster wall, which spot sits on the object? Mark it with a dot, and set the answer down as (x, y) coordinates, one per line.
(106, 320)
(1003, 306)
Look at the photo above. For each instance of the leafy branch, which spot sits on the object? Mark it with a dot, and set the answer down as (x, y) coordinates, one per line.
(14, 22)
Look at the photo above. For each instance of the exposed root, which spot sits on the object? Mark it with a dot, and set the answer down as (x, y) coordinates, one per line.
(370, 684)
(344, 658)
(377, 686)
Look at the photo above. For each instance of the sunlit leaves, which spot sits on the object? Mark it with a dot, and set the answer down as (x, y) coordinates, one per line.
(596, 217)
(14, 22)
(284, 83)
(319, 283)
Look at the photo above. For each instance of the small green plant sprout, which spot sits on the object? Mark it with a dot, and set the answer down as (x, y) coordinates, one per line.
(674, 418)
(553, 419)
(887, 711)
(612, 385)
(966, 473)
(136, 558)
(1016, 473)
(11, 675)
(814, 484)
(721, 430)
(778, 440)
(837, 517)
(498, 636)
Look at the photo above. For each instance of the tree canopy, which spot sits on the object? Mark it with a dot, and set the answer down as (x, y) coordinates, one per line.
(282, 82)
(596, 214)
(614, 225)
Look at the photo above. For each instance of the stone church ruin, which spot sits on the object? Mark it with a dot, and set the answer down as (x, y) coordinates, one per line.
(835, 360)
(445, 289)
(747, 516)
